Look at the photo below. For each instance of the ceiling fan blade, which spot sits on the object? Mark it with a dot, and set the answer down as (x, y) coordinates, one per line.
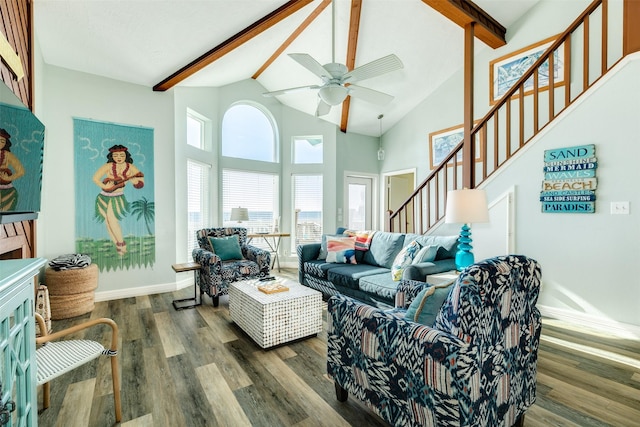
(369, 95)
(311, 64)
(323, 108)
(380, 66)
(290, 90)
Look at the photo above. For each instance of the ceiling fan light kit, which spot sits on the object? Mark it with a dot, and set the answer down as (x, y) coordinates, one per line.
(333, 94)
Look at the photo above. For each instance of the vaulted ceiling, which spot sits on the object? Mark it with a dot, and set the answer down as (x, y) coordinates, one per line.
(211, 43)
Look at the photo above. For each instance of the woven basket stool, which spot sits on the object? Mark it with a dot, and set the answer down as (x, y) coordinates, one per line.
(71, 292)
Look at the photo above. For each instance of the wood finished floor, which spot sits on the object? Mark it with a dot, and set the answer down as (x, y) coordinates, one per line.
(196, 367)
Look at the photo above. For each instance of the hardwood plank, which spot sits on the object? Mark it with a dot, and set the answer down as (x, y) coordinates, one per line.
(193, 401)
(226, 409)
(592, 404)
(218, 324)
(314, 406)
(169, 335)
(540, 417)
(134, 379)
(76, 406)
(143, 421)
(161, 385)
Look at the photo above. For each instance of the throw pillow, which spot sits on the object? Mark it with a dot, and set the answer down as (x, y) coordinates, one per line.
(226, 248)
(341, 250)
(323, 245)
(426, 254)
(426, 305)
(403, 259)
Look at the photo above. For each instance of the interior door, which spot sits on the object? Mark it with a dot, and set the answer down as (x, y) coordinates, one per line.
(359, 203)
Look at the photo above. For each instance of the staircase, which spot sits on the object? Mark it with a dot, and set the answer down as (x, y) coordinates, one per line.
(579, 57)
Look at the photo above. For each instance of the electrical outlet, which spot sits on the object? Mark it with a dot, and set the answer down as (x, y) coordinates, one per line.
(619, 208)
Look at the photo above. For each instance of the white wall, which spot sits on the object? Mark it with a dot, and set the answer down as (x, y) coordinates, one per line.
(68, 94)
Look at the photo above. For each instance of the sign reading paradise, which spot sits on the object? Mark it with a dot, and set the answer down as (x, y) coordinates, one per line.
(569, 180)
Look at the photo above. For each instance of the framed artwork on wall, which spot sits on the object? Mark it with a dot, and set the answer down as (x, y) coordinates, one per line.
(505, 71)
(443, 141)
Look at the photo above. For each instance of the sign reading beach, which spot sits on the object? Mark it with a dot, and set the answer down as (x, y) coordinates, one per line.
(569, 180)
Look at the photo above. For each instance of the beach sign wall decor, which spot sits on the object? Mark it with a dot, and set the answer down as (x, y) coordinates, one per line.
(569, 180)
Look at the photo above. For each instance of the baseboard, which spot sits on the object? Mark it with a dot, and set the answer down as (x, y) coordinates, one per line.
(623, 330)
(143, 290)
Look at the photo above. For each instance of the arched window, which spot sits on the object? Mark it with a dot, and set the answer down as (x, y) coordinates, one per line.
(249, 132)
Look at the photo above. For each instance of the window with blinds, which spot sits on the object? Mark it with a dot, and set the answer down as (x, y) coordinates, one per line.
(256, 191)
(197, 201)
(307, 205)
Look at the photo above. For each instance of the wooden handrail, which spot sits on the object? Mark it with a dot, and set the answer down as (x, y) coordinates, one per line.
(502, 131)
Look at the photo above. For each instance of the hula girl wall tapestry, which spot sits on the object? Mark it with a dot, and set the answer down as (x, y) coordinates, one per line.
(115, 210)
(21, 148)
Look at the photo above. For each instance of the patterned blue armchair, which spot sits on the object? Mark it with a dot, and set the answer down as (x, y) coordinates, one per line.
(215, 274)
(475, 367)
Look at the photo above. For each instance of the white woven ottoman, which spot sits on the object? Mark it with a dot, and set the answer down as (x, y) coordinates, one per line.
(272, 319)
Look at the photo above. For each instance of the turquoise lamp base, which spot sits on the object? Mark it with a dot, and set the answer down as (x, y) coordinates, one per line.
(464, 256)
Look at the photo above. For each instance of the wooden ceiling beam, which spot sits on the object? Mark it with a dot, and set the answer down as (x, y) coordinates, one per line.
(312, 16)
(352, 47)
(464, 12)
(232, 43)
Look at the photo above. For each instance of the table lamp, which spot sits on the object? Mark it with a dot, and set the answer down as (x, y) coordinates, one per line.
(239, 214)
(466, 207)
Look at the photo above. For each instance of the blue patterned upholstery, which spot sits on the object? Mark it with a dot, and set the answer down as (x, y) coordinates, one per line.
(215, 275)
(475, 367)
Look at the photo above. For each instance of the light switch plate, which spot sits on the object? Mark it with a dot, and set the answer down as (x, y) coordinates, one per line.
(619, 208)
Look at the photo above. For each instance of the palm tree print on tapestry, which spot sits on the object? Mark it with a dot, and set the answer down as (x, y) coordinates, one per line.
(115, 212)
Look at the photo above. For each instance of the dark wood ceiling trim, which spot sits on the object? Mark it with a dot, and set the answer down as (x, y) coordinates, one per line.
(232, 43)
(312, 16)
(352, 47)
(464, 12)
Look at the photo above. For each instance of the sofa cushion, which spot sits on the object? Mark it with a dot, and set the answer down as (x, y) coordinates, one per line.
(323, 245)
(348, 276)
(448, 244)
(403, 259)
(384, 248)
(319, 268)
(426, 305)
(380, 284)
(341, 250)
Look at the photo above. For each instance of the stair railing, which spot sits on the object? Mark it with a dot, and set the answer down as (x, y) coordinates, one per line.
(533, 102)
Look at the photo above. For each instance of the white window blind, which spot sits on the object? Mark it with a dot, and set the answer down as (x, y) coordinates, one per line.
(307, 205)
(258, 192)
(197, 201)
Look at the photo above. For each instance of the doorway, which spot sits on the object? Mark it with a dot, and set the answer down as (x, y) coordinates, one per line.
(398, 187)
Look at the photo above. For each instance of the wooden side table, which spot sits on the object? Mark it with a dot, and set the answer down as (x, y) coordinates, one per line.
(189, 266)
(274, 244)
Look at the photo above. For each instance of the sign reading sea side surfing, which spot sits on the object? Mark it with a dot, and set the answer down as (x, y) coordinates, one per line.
(569, 180)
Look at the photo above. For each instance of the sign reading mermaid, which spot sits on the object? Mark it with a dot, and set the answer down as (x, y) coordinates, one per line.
(115, 210)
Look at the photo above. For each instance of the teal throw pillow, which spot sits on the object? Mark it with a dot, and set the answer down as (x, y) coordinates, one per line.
(227, 248)
(426, 254)
(426, 305)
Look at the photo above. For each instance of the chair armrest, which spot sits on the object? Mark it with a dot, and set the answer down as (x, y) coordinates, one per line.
(205, 257)
(261, 257)
(372, 353)
(73, 329)
(421, 270)
(407, 291)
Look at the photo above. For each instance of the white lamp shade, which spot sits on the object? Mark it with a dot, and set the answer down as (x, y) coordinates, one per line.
(333, 94)
(239, 214)
(466, 206)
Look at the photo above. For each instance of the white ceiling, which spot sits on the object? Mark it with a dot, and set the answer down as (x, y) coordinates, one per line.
(145, 41)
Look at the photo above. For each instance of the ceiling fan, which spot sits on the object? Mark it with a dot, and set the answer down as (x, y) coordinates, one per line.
(338, 81)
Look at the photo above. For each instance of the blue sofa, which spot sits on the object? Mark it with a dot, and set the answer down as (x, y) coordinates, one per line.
(475, 366)
(370, 279)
